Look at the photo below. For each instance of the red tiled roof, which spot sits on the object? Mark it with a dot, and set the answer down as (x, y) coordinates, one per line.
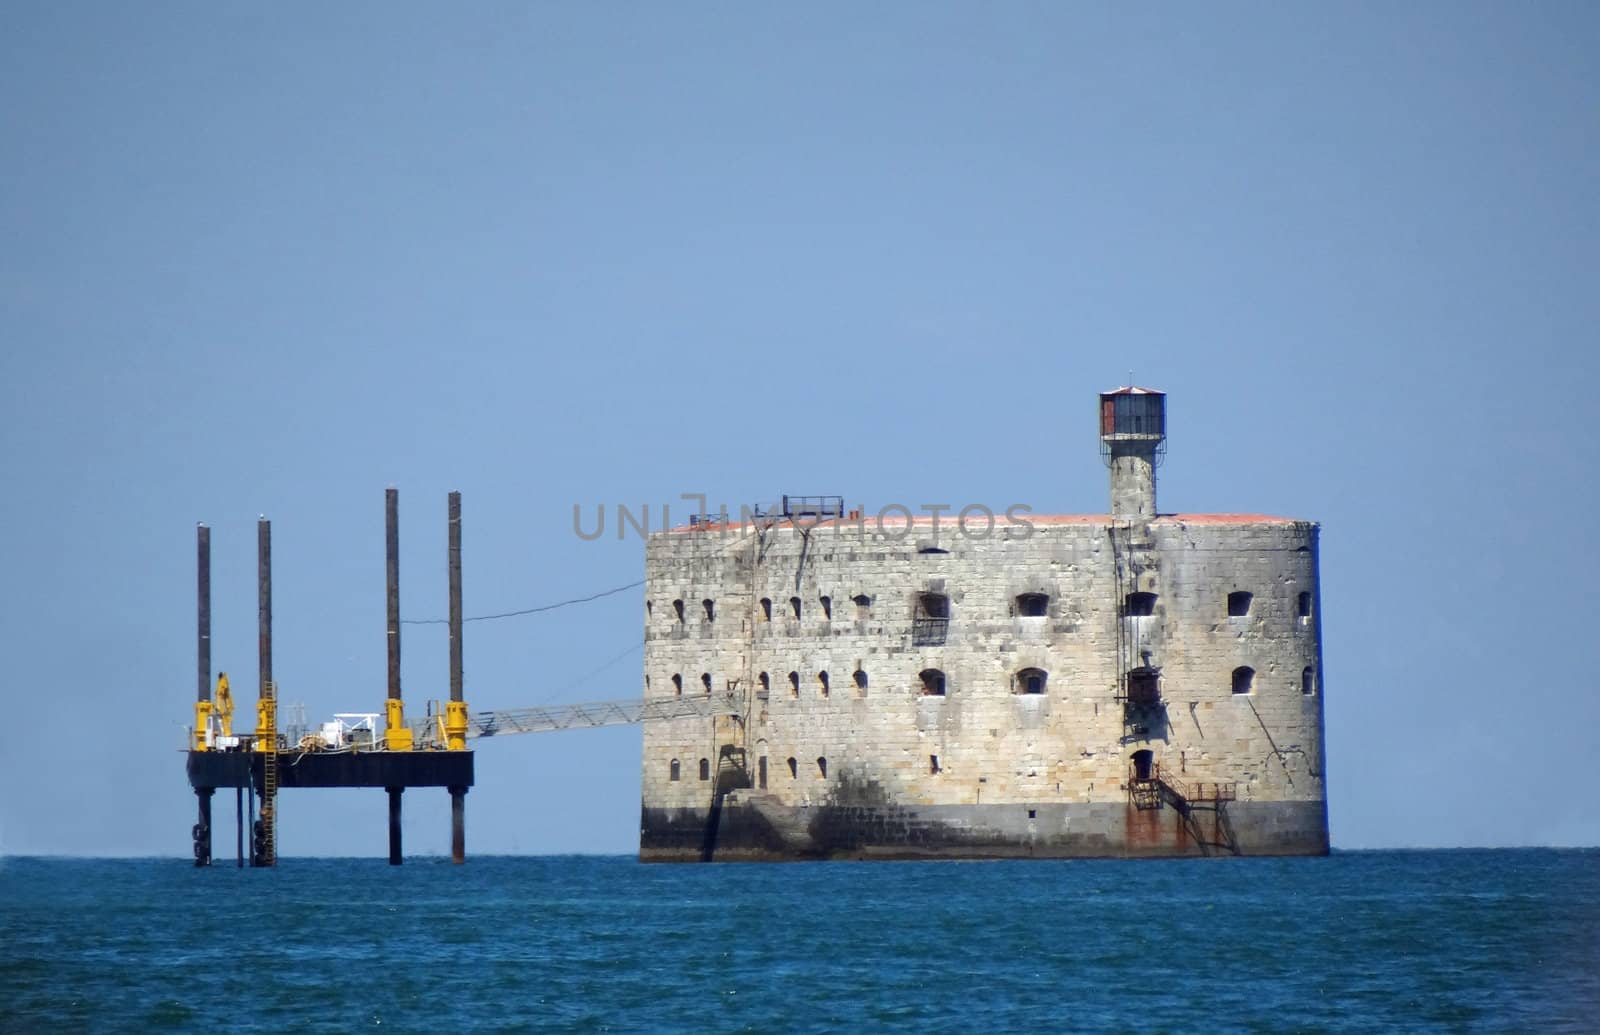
(1227, 519)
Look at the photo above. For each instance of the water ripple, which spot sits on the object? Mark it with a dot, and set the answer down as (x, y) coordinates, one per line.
(1409, 941)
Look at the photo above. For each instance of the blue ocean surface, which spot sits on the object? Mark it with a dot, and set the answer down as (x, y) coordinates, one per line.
(1503, 940)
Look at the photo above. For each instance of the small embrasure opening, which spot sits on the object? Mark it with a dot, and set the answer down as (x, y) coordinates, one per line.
(1033, 605)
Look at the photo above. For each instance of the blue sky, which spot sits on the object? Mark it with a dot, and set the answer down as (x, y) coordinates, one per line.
(270, 261)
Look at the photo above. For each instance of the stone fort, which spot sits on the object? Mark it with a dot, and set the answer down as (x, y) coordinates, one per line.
(894, 685)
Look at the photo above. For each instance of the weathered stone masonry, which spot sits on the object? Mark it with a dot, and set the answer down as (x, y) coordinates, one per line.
(894, 692)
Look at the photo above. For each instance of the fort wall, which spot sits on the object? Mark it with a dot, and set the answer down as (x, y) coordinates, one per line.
(828, 642)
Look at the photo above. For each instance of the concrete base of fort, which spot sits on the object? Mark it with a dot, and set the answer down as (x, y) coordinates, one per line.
(752, 827)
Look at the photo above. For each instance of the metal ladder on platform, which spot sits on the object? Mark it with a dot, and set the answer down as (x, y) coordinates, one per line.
(269, 780)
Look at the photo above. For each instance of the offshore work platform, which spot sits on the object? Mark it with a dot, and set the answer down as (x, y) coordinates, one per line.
(349, 752)
(352, 750)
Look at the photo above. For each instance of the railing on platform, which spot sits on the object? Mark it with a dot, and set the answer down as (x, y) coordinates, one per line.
(1207, 791)
(1161, 788)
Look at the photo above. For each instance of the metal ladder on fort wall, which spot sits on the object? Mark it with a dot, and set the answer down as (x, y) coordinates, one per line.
(730, 727)
(1130, 559)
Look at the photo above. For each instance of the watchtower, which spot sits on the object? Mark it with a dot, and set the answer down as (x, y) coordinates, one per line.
(1133, 439)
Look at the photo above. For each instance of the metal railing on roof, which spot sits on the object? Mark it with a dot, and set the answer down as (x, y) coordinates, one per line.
(820, 507)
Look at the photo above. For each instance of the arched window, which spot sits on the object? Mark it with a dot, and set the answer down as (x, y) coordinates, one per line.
(822, 768)
(766, 609)
(677, 685)
(673, 771)
(705, 681)
(705, 769)
(794, 684)
(711, 609)
(1244, 678)
(1031, 681)
(1308, 680)
(794, 768)
(766, 683)
(1239, 603)
(931, 624)
(794, 607)
(822, 681)
(932, 681)
(1139, 605)
(861, 681)
(827, 609)
(1302, 607)
(647, 686)
(649, 610)
(863, 606)
(677, 609)
(1033, 605)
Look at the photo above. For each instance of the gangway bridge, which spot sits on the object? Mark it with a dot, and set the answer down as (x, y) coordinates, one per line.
(583, 715)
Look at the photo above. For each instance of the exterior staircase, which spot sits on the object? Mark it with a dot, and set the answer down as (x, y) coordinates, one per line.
(1160, 790)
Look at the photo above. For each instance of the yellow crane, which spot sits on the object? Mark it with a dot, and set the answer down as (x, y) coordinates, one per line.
(224, 704)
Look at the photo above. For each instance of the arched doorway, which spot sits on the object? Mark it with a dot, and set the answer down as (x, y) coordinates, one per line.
(1143, 763)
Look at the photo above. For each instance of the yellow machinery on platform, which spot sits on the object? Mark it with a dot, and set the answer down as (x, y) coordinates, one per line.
(397, 735)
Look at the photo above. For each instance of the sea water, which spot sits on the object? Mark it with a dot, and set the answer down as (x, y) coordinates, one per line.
(1361, 941)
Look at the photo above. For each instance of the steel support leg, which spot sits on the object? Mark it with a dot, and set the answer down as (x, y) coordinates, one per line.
(250, 816)
(458, 825)
(238, 825)
(202, 829)
(394, 825)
